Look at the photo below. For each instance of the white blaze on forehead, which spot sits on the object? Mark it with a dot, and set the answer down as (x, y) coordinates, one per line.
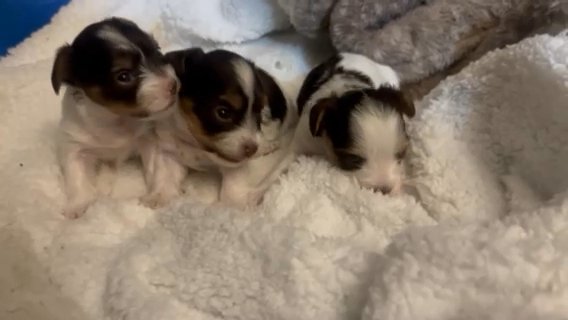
(114, 36)
(378, 134)
(378, 73)
(245, 77)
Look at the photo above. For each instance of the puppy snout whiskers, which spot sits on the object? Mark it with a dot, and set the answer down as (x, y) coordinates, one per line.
(249, 149)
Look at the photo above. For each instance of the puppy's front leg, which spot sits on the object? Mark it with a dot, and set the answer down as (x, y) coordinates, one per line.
(78, 170)
(164, 176)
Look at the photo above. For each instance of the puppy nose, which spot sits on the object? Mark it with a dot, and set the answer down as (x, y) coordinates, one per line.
(384, 189)
(249, 149)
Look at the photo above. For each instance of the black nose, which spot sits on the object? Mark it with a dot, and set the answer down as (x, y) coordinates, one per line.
(384, 189)
(249, 149)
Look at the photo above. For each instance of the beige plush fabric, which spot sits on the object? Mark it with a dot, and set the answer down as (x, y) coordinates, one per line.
(309, 17)
(425, 40)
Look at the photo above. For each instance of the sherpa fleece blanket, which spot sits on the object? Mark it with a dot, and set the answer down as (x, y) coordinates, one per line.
(484, 237)
(51, 268)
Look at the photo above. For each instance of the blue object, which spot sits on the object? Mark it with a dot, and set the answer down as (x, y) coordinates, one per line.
(19, 18)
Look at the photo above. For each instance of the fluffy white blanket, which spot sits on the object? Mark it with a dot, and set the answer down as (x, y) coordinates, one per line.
(490, 150)
(484, 236)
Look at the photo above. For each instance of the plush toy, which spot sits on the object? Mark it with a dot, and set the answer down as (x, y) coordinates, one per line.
(425, 38)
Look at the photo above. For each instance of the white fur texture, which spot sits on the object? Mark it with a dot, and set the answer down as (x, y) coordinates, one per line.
(378, 137)
(89, 134)
(379, 74)
(155, 93)
(315, 249)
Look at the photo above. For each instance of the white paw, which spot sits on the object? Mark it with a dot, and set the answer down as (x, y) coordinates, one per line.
(76, 210)
(243, 200)
(157, 200)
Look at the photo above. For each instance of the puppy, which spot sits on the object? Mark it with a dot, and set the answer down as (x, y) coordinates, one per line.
(117, 80)
(229, 113)
(353, 114)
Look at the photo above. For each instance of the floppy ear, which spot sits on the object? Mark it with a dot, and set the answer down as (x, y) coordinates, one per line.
(183, 59)
(269, 88)
(265, 81)
(318, 115)
(396, 98)
(407, 105)
(61, 71)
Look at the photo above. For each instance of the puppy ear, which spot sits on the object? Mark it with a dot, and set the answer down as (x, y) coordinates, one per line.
(265, 81)
(396, 98)
(270, 90)
(181, 60)
(61, 71)
(318, 115)
(407, 105)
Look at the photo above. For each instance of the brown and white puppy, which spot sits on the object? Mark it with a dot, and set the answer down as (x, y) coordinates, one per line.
(353, 114)
(117, 79)
(229, 113)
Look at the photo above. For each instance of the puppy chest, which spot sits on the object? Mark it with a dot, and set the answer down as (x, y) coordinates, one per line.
(104, 144)
(112, 152)
(193, 158)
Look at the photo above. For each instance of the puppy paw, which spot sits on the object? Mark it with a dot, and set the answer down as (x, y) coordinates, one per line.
(240, 201)
(75, 211)
(157, 200)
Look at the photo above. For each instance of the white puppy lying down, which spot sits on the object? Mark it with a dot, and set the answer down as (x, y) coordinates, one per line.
(231, 117)
(353, 115)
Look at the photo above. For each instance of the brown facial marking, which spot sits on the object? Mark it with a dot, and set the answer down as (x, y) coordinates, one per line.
(116, 97)
(124, 60)
(118, 107)
(233, 98)
(193, 122)
(317, 115)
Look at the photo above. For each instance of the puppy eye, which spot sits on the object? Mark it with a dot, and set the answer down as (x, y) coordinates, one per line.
(124, 77)
(349, 161)
(224, 113)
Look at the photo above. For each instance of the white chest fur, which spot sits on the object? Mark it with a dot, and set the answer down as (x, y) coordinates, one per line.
(97, 131)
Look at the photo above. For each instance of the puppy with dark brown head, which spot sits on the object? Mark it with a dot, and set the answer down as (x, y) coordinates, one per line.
(116, 78)
(354, 115)
(224, 100)
(229, 112)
